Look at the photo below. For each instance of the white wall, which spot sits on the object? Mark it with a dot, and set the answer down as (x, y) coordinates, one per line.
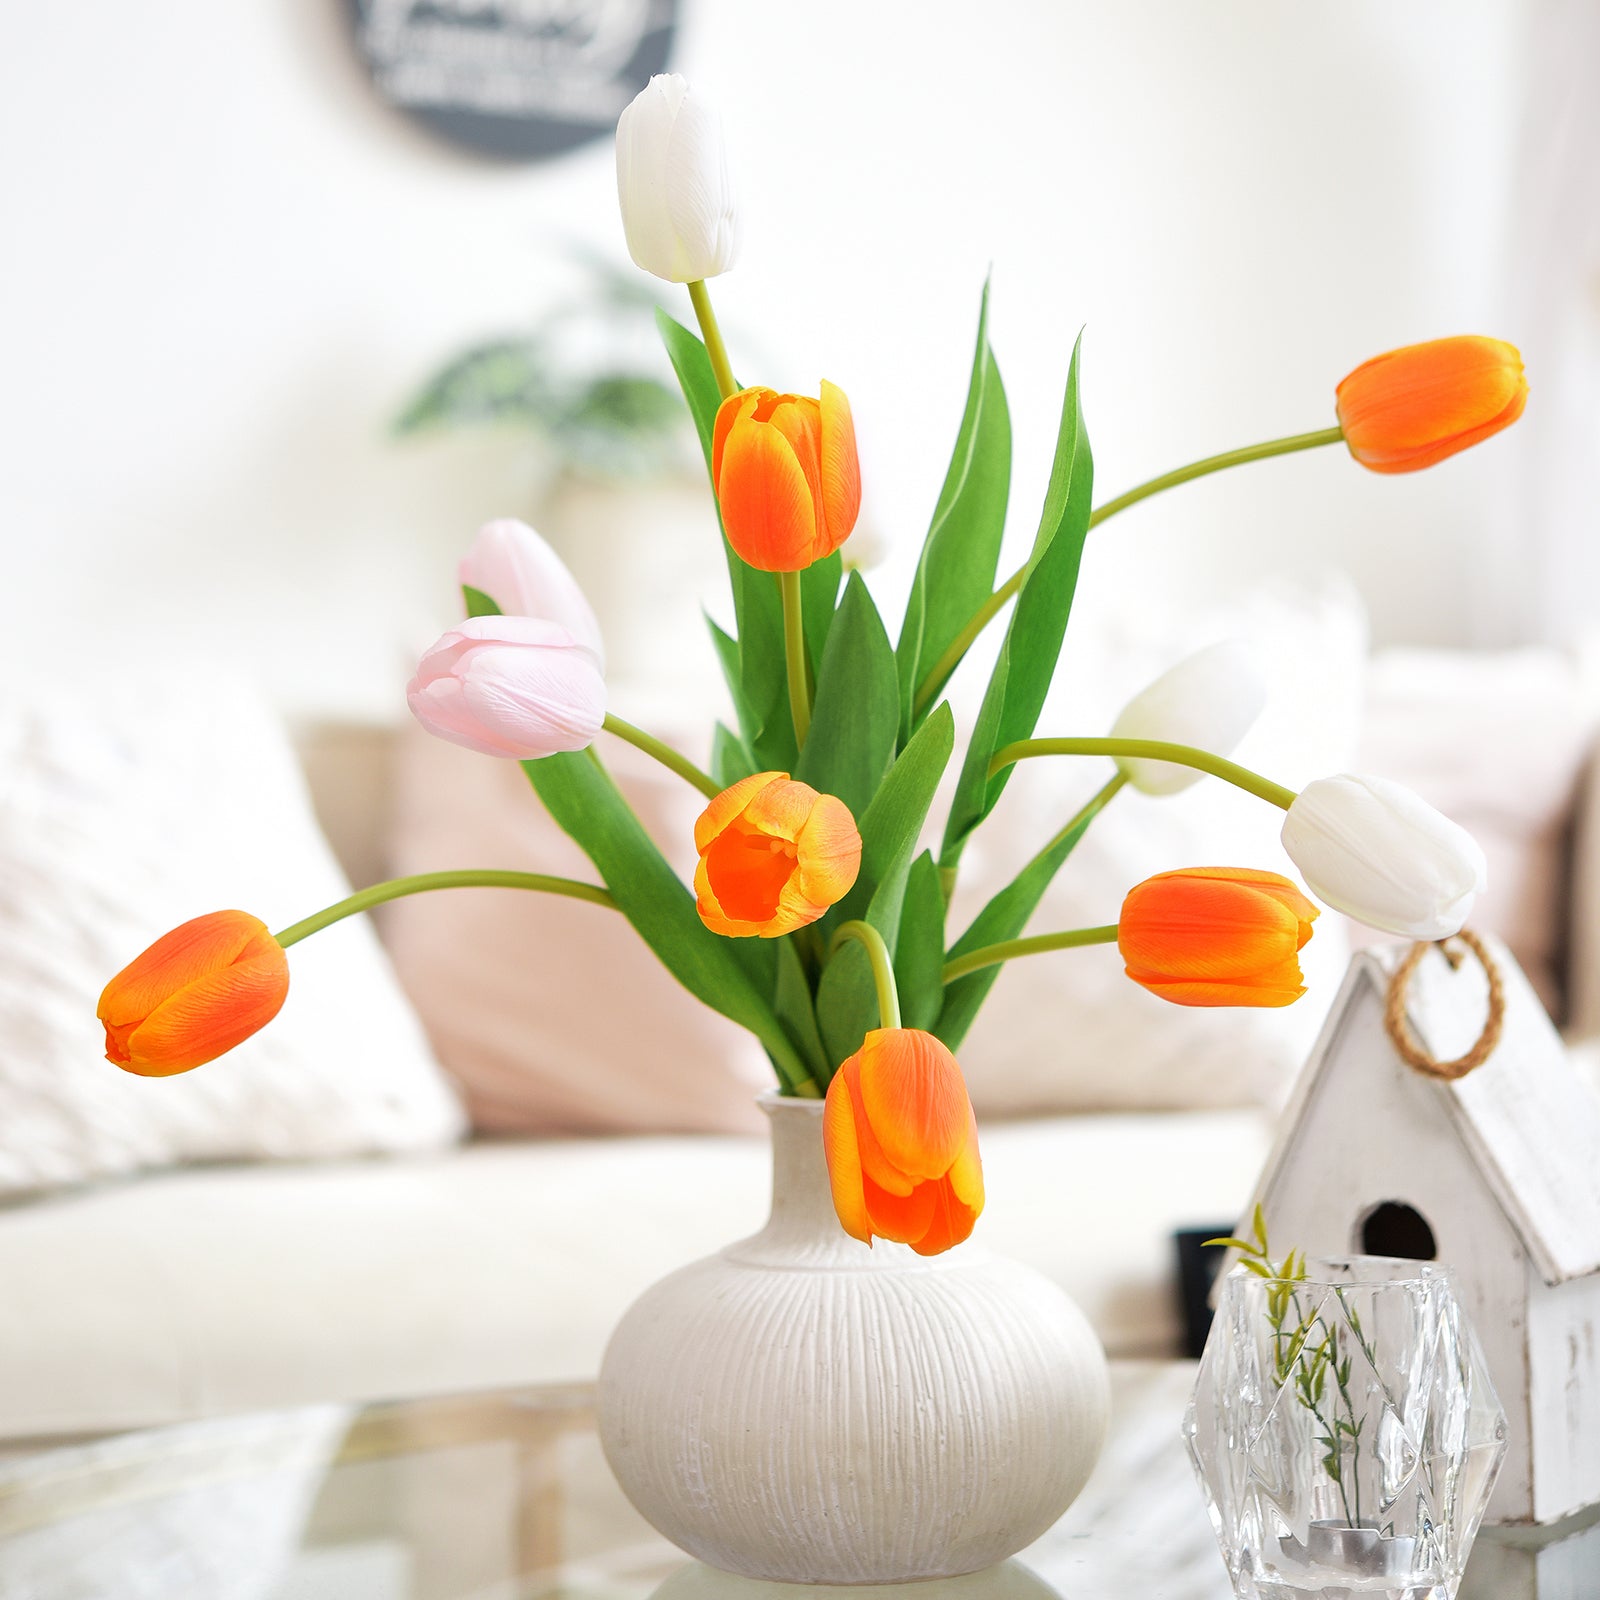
(226, 265)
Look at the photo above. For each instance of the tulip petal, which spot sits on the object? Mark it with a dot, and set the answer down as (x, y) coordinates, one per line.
(966, 1172)
(841, 468)
(1210, 700)
(209, 1016)
(1410, 408)
(767, 510)
(748, 871)
(799, 419)
(950, 1224)
(728, 805)
(736, 408)
(179, 957)
(874, 1162)
(1277, 987)
(1203, 928)
(829, 851)
(904, 1218)
(914, 1099)
(1381, 854)
(519, 571)
(844, 1162)
(674, 185)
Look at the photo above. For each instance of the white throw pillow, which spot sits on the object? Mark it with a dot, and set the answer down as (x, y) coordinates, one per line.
(127, 807)
(1067, 1031)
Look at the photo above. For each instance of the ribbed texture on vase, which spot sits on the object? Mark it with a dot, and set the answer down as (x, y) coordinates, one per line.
(801, 1408)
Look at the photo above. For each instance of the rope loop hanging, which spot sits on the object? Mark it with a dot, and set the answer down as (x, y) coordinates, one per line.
(1398, 1026)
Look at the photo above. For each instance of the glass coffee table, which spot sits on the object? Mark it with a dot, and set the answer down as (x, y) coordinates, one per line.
(505, 1496)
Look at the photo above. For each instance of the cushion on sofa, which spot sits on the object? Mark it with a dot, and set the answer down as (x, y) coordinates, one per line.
(128, 805)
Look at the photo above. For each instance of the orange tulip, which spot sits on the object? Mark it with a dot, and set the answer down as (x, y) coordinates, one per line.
(1412, 407)
(1216, 936)
(774, 855)
(902, 1143)
(194, 994)
(786, 476)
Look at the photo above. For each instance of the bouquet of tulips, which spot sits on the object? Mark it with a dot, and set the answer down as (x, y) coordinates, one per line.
(815, 919)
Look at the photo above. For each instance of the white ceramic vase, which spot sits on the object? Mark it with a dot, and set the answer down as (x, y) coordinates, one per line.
(802, 1408)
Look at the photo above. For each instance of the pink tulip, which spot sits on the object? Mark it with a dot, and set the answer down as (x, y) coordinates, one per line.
(511, 564)
(510, 686)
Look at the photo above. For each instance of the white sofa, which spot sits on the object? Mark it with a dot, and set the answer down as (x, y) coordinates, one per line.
(228, 1288)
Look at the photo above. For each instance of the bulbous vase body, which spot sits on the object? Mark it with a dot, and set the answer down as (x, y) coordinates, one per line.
(803, 1408)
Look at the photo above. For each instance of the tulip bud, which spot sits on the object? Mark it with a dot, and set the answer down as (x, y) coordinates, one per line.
(194, 994)
(1210, 700)
(787, 479)
(511, 564)
(510, 686)
(1216, 936)
(1381, 854)
(1412, 407)
(774, 855)
(902, 1143)
(674, 185)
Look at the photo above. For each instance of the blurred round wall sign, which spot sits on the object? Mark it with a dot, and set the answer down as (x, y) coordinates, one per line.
(519, 79)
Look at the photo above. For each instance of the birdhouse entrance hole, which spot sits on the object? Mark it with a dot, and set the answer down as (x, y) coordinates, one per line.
(1392, 1228)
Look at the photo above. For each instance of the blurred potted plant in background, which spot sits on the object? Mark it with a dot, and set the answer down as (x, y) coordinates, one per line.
(619, 490)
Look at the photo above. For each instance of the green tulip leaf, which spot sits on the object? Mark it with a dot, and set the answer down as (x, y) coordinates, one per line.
(797, 1011)
(855, 718)
(956, 572)
(730, 761)
(579, 794)
(478, 603)
(1032, 646)
(919, 953)
(891, 824)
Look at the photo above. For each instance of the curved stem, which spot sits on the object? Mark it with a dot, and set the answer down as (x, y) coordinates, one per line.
(991, 955)
(664, 753)
(871, 941)
(1209, 464)
(794, 655)
(981, 618)
(712, 335)
(421, 882)
(1183, 755)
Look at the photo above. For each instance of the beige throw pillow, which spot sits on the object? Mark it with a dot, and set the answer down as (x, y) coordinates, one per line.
(127, 806)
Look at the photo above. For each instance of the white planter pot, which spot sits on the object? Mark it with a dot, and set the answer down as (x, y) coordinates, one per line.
(800, 1407)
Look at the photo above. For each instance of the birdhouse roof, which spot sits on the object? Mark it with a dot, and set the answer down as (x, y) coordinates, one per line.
(1527, 1118)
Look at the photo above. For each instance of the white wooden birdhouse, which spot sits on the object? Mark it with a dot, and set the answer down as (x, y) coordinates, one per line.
(1495, 1174)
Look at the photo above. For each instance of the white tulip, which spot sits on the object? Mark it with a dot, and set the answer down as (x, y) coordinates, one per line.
(511, 564)
(674, 184)
(1381, 854)
(1210, 700)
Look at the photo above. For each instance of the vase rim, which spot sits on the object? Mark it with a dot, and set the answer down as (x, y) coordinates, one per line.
(775, 1103)
(1369, 1272)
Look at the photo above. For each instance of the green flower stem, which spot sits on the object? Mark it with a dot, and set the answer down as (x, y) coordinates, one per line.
(991, 955)
(794, 655)
(419, 883)
(981, 618)
(712, 335)
(871, 941)
(1183, 755)
(664, 753)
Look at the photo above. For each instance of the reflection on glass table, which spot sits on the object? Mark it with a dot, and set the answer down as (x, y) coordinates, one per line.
(506, 1496)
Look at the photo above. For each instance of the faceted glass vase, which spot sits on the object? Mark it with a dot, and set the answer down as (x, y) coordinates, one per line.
(1345, 1432)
